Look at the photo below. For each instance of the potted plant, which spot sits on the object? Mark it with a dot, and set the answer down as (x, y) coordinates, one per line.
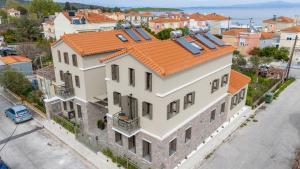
(101, 124)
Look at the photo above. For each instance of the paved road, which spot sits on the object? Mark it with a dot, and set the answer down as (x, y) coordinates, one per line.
(269, 143)
(35, 148)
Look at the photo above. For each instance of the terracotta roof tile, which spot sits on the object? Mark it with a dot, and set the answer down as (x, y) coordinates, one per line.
(215, 16)
(282, 19)
(91, 17)
(168, 20)
(293, 29)
(14, 59)
(167, 57)
(267, 35)
(90, 43)
(237, 81)
(234, 32)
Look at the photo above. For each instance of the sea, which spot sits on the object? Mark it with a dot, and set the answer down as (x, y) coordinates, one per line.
(243, 15)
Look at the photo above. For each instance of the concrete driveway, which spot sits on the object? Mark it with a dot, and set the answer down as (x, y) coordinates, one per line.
(35, 148)
(269, 143)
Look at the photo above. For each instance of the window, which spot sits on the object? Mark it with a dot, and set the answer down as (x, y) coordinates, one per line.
(224, 80)
(172, 147)
(118, 138)
(289, 38)
(79, 114)
(122, 38)
(212, 115)
(77, 82)
(115, 72)
(117, 98)
(173, 109)
(242, 94)
(233, 101)
(59, 56)
(147, 110)
(215, 85)
(71, 105)
(66, 58)
(222, 108)
(131, 144)
(188, 134)
(149, 81)
(147, 150)
(74, 59)
(65, 106)
(131, 77)
(61, 74)
(189, 99)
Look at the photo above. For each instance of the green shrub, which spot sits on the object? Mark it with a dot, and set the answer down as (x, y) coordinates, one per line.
(64, 122)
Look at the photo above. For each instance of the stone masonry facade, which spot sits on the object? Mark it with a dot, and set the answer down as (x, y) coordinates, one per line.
(201, 127)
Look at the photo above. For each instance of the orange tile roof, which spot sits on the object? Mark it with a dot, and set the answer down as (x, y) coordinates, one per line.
(293, 29)
(91, 17)
(237, 81)
(168, 20)
(267, 35)
(167, 57)
(198, 17)
(282, 19)
(145, 14)
(14, 59)
(90, 43)
(234, 32)
(215, 16)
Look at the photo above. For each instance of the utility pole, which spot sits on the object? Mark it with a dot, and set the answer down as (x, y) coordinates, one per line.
(291, 58)
(229, 18)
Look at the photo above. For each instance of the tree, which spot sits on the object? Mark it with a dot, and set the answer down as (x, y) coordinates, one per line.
(3, 14)
(28, 50)
(44, 7)
(15, 81)
(9, 36)
(164, 34)
(282, 54)
(23, 11)
(255, 51)
(238, 61)
(185, 31)
(67, 6)
(28, 29)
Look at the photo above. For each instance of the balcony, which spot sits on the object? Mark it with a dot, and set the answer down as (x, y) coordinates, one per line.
(64, 92)
(122, 122)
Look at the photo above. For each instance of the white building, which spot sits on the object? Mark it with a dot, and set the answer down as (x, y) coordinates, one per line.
(76, 22)
(13, 12)
(48, 27)
(287, 40)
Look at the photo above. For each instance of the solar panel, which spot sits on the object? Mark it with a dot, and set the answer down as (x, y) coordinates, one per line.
(205, 41)
(132, 35)
(143, 33)
(214, 39)
(187, 45)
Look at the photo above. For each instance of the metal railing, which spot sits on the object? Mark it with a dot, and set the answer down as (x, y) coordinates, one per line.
(64, 92)
(122, 122)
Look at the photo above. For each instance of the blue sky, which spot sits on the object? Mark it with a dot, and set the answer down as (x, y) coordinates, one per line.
(169, 3)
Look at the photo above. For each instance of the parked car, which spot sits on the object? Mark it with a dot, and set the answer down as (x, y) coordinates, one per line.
(18, 114)
(3, 165)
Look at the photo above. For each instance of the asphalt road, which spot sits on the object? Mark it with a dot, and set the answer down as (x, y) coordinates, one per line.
(33, 147)
(269, 143)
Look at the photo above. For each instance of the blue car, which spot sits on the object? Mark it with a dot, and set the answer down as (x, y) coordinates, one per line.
(3, 165)
(18, 114)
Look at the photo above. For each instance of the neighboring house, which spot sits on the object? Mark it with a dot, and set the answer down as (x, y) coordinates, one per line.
(140, 18)
(80, 87)
(287, 39)
(165, 100)
(269, 39)
(13, 12)
(118, 16)
(76, 22)
(160, 24)
(20, 63)
(48, 27)
(275, 24)
(46, 78)
(243, 39)
(217, 23)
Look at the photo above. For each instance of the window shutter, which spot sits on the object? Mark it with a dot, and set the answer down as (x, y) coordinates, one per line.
(117, 73)
(193, 97)
(185, 100)
(133, 77)
(177, 106)
(150, 111)
(144, 109)
(168, 111)
(212, 86)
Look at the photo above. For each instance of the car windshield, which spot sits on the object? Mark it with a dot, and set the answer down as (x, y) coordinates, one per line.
(22, 112)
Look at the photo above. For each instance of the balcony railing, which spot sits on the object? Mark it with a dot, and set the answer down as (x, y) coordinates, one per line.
(122, 122)
(64, 92)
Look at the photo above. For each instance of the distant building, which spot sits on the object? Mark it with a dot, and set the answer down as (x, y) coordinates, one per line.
(140, 18)
(269, 39)
(118, 16)
(243, 39)
(48, 27)
(159, 24)
(13, 12)
(76, 22)
(287, 39)
(19, 63)
(275, 24)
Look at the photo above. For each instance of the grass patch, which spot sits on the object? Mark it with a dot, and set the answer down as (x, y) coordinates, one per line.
(65, 123)
(282, 87)
(208, 155)
(254, 120)
(243, 125)
(121, 161)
